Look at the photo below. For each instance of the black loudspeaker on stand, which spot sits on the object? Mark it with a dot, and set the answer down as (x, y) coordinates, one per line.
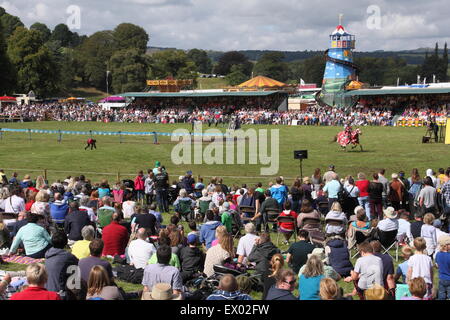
(301, 154)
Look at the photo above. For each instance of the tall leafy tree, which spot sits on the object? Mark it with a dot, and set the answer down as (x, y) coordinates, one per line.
(271, 65)
(41, 27)
(236, 75)
(62, 34)
(130, 36)
(7, 74)
(201, 60)
(172, 63)
(231, 58)
(36, 67)
(129, 70)
(10, 23)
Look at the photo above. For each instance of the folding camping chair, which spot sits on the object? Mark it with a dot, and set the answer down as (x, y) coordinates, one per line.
(388, 239)
(272, 215)
(203, 206)
(287, 219)
(336, 223)
(314, 228)
(184, 209)
(248, 212)
(360, 237)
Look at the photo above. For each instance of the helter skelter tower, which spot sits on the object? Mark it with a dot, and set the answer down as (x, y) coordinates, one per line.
(339, 70)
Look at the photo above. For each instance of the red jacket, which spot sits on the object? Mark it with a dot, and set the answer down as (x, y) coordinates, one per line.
(288, 225)
(139, 183)
(363, 186)
(115, 237)
(35, 293)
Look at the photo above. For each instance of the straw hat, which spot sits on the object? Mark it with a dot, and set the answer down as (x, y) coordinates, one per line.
(161, 291)
(390, 212)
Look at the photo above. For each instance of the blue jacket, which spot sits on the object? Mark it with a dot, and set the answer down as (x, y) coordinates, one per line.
(339, 258)
(58, 211)
(279, 193)
(208, 232)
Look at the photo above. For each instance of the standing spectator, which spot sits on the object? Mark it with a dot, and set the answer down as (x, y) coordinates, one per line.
(388, 267)
(384, 181)
(149, 185)
(298, 251)
(443, 264)
(296, 192)
(279, 192)
(428, 233)
(57, 262)
(316, 179)
(352, 201)
(415, 184)
(420, 265)
(402, 269)
(363, 185)
(368, 270)
(228, 290)
(285, 285)
(103, 190)
(115, 237)
(376, 190)
(416, 226)
(396, 192)
(329, 175)
(139, 186)
(332, 189)
(161, 187)
(118, 192)
(36, 279)
(427, 196)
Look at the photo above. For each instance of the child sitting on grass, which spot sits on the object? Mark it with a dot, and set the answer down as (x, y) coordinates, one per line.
(420, 265)
(402, 269)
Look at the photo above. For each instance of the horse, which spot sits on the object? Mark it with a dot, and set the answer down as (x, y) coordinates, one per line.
(344, 139)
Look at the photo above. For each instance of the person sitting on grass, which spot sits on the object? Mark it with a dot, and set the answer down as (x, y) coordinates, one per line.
(115, 237)
(246, 243)
(262, 253)
(297, 254)
(80, 249)
(208, 229)
(329, 290)
(417, 288)
(192, 259)
(86, 264)
(285, 285)
(165, 240)
(219, 254)
(228, 290)
(100, 287)
(36, 279)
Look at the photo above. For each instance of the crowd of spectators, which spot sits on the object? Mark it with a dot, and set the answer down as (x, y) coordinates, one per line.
(74, 224)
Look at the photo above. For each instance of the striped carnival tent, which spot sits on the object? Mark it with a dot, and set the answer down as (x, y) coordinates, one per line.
(262, 82)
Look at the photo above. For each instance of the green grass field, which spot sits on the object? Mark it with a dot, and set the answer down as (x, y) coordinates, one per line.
(384, 147)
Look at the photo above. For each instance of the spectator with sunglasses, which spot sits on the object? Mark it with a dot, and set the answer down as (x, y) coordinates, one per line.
(284, 286)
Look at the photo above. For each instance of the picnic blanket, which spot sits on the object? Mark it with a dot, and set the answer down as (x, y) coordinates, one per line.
(20, 259)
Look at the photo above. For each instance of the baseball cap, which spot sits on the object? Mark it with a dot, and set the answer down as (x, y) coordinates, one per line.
(192, 238)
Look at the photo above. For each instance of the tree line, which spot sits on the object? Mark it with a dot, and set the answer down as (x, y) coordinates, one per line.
(52, 62)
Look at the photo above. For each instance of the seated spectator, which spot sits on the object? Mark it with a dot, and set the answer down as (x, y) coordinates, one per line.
(164, 240)
(22, 220)
(338, 256)
(402, 269)
(128, 206)
(297, 253)
(115, 237)
(59, 209)
(219, 254)
(226, 217)
(36, 279)
(140, 250)
(100, 287)
(269, 277)
(329, 290)
(310, 277)
(192, 259)
(86, 264)
(80, 249)
(162, 272)
(15, 202)
(285, 285)
(158, 216)
(228, 290)
(417, 288)
(104, 213)
(376, 292)
(84, 206)
(193, 226)
(74, 222)
(34, 238)
(246, 243)
(144, 219)
(41, 205)
(287, 228)
(390, 222)
(306, 212)
(404, 227)
(183, 198)
(208, 230)
(335, 213)
(57, 263)
(368, 270)
(176, 241)
(416, 226)
(161, 291)
(262, 253)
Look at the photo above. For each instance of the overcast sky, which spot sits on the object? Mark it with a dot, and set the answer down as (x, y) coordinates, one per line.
(254, 24)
